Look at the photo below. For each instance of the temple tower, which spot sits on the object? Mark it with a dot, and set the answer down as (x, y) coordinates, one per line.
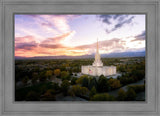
(97, 68)
(97, 61)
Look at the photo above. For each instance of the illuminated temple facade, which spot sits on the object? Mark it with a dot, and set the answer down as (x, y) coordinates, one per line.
(97, 68)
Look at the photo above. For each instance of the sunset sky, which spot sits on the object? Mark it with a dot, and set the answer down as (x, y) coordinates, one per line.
(75, 35)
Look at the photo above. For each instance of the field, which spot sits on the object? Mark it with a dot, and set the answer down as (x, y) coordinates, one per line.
(61, 80)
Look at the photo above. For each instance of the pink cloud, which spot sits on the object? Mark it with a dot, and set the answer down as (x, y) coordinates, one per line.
(59, 22)
(106, 45)
(28, 38)
(31, 32)
(53, 24)
(26, 43)
(28, 46)
(55, 41)
(48, 27)
(54, 46)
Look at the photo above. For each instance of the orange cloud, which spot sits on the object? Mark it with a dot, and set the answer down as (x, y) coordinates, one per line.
(28, 47)
(55, 40)
(24, 39)
(26, 43)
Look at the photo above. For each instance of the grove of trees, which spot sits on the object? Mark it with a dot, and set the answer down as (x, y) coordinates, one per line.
(35, 79)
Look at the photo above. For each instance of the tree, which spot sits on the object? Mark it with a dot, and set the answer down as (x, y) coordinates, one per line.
(65, 86)
(55, 86)
(73, 81)
(92, 92)
(25, 79)
(65, 75)
(121, 68)
(80, 79)
(114, 83)
(85, 82)
(75, 90)
(48, 73)
(130, 94)
(121, 95)
(42, 76)
(102, 84)
(32, 96)
(83, 91)
(34, 78)
(57, 72)
(102, 97)
(137, 88)
(78, 90)
(92, 83)
(43, 89)
(49, 95)
(35, 75)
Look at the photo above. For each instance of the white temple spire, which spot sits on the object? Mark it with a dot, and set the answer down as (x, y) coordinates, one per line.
(97, 61)
(97, 45)
(97, 68)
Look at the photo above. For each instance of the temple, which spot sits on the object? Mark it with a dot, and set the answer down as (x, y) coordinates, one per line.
(97, 68)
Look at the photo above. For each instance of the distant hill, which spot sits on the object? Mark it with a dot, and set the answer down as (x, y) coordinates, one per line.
(124, 54)
(110, 55)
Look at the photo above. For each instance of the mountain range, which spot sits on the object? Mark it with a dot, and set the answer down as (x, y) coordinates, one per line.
(110, 55)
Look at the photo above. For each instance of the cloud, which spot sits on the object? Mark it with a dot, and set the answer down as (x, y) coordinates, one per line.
(122, 17)
(88, 46)
(116, 21)
(54, 23)
(105, 46)
(47, 24)
(30, 32)
(44, 23)
(141, 36)
(121, 23)
(55, 42)
(53, 46)
(48, 28)
(42, 49)
(52, 34)
(112, 45)
(106, 18)
(26, 42)
(61, 24)
(26, 46)
(27, 38)
(102, 44)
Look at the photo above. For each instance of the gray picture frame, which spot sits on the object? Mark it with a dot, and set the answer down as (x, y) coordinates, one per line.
(9, 107)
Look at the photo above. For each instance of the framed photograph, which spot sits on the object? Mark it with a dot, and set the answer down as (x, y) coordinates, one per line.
(79, 57)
